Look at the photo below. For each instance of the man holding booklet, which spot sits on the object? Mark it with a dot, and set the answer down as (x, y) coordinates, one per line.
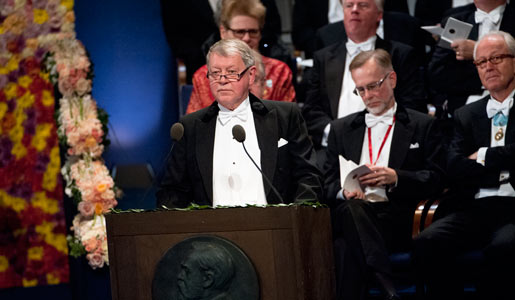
(399, 151)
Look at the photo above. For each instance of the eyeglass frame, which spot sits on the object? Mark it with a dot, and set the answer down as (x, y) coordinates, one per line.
(481, 63)
(371, 86)
(253, 33)
(238, 78)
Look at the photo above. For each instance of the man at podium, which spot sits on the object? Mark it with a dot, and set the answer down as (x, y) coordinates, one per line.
(219, 159)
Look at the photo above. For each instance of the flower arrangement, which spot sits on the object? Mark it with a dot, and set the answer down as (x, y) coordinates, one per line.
(83, 134)
(39, 51)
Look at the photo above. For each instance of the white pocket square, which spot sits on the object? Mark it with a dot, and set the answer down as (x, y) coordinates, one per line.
(414, 146)
(281, 142)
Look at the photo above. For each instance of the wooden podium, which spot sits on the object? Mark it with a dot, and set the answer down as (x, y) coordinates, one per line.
(290, 247)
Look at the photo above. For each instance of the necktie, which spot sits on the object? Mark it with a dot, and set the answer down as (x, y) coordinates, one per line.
(372, 120)
(226, 116)
(500, 119)
(480, 16)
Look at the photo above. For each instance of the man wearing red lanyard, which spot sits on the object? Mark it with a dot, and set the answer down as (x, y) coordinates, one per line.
(402, 148)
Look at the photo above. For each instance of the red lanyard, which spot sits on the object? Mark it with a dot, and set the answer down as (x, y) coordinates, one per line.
(382, 144)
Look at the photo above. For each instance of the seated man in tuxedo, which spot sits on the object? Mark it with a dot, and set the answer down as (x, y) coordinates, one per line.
(209, 167)
(394, 26)
(482, 168)
(451, 74)
(402, 149)
(329, 93)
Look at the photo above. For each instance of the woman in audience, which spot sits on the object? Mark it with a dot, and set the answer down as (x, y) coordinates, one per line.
(244, 19)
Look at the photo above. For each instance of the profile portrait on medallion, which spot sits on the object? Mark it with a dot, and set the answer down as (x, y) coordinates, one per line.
(205, 267)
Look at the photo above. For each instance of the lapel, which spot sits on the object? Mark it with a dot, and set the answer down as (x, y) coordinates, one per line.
(401, 138)
(510, 129)
(265, 122)
(481, 124)
(382, 44)
(356, 134)
(204, 144)
(474, 32)
(335, 67)
(508, 19)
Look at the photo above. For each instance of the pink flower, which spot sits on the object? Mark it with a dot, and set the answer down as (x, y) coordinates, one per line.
(83, 86)
(95, 260)
(92, 244)
(63, 69)
(83, 63)
(65, 87)
(86, 208)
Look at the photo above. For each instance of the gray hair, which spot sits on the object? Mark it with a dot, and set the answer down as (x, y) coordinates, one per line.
(379, 4)
(380, 56)
(230, 47)
(508, 39)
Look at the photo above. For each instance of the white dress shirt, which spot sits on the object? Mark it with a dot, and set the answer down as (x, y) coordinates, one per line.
(505, 189)
(378, 194)
(236, 181)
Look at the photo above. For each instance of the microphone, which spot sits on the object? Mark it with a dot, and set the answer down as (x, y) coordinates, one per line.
(177, 131)
(238, 133)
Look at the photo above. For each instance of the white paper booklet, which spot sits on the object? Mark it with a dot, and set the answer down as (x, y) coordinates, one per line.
(349, 174)
(454, 30)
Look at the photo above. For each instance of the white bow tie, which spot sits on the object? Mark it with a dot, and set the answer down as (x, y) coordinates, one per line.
(480, 16)
(493, 107)
(226, 116)
(372, 120)
(354, 49)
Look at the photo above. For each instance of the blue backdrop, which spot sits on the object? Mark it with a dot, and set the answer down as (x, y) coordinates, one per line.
(135, 82)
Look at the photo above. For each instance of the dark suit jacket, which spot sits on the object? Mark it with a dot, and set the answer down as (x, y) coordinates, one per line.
(398, 27)
(431, 12)
(473, 131)
(456, 80)
(419, 169)
(326, 77)
(291, 168)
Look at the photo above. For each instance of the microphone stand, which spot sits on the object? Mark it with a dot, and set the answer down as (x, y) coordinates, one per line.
(264, 176)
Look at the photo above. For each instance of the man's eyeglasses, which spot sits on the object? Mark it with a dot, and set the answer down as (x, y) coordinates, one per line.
(360, 90)
(232, 77)
(240, 33)
(496, 59)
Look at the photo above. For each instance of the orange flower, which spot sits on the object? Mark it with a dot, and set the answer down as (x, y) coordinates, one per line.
(99, 208)
(91, 142)
(101, 187)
